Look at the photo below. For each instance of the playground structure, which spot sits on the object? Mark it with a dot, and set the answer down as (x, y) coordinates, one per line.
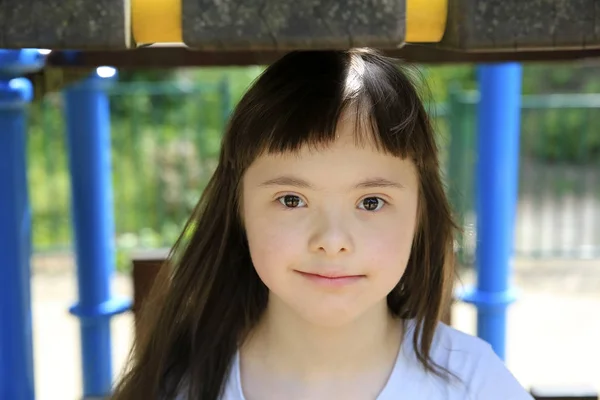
(247, 32)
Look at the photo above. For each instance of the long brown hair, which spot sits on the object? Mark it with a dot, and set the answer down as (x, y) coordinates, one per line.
(210, 297)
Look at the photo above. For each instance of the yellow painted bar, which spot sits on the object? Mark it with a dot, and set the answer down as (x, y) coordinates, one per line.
(425, 20)
(159, 21)
(156, 21)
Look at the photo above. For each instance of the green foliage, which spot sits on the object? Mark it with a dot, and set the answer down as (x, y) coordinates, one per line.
(439, 79)
(561, 135)
(564, 134)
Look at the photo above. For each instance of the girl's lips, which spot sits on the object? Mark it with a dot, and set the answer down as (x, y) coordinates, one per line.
(331, 280)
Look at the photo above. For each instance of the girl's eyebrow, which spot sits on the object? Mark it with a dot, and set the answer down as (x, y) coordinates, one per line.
(378, 183)
(369, 183)
(287, 180)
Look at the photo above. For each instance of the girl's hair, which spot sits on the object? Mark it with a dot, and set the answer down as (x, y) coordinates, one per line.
(209, 297)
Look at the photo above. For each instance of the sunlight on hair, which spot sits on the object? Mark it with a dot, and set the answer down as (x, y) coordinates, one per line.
(355, 78)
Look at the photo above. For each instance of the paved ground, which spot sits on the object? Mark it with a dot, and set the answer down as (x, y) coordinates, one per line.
(553, 333)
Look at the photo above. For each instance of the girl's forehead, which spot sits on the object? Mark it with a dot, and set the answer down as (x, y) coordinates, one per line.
(342, 160)
(353, 144)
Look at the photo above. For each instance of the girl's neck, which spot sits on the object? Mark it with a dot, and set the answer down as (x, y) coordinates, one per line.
(287, 344)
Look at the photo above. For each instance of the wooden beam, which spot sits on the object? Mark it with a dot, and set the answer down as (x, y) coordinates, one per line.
(179, 56)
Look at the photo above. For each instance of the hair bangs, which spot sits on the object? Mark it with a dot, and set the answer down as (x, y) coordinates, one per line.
(308, 95)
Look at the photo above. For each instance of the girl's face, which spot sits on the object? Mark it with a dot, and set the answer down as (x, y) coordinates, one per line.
(330, 231)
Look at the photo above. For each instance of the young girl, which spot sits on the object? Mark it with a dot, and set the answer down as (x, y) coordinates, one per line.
(321, 255)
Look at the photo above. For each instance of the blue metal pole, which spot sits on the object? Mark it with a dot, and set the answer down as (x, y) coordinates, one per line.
(16, 342)
(498, 125)
(16, 356)
(88, 139)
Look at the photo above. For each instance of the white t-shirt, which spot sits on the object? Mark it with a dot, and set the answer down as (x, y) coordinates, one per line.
(483, 375)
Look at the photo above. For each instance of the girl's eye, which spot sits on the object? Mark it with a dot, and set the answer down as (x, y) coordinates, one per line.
(291, 201)
(371, 204)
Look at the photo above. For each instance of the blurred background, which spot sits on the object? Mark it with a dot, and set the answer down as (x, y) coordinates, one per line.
(166, 127)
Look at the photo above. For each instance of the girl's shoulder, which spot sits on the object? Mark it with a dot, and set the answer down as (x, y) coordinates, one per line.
(450, 342)
(481, 373)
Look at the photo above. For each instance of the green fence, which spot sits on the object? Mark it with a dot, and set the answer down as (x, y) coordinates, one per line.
(558, 212)
(166, 137)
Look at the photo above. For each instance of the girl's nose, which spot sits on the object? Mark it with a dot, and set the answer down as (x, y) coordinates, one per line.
(331, 235)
